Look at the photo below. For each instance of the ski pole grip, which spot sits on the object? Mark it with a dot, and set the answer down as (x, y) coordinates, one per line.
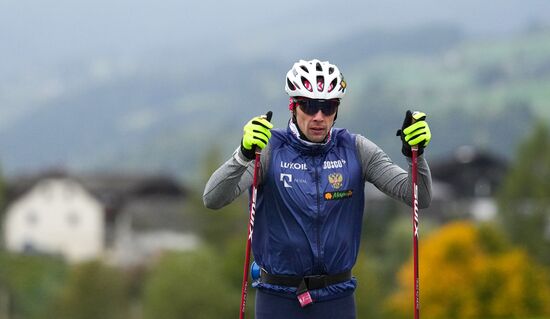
(268, 116)
(413, 120)
(415, 147)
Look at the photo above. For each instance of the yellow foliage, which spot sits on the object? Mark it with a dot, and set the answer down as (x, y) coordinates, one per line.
(458, 279)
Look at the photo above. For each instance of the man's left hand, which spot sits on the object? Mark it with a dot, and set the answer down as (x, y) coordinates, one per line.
(414, 132)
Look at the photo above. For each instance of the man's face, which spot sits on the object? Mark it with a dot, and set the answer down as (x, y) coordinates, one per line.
(315, 127)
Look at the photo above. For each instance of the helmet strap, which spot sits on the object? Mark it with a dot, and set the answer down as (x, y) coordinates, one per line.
(295, 121)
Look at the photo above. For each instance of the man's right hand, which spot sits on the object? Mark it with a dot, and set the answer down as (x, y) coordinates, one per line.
(257, 133)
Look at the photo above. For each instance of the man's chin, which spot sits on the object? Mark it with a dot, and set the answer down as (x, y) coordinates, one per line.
(317, 138)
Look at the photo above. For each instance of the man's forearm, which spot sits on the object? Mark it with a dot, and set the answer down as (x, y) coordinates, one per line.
(227, 182)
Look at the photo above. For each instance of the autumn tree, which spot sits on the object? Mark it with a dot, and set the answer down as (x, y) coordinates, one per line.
(470, 272)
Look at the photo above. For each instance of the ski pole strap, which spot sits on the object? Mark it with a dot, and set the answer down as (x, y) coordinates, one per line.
(311, 282)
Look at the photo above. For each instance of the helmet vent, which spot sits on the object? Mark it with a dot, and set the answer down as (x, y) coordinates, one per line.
(307, 84)
(332, 85)
(290, 85)
(330, 70)
(320, 83)
(318, 67)
(303, 67)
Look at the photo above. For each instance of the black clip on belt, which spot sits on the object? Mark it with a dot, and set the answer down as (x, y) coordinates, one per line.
(303, 284)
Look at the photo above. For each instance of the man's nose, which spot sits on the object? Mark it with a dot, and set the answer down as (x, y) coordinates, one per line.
(319, 116)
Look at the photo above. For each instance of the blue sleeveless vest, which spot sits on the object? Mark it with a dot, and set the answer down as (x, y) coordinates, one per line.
(309, 210)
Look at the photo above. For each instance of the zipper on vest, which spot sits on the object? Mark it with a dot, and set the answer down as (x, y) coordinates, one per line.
(318, 265)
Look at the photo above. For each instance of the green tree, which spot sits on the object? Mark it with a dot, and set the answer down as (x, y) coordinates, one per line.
(524, 198)
(29, 284)
(2, 207)
(219, 227)
(369, 292)
(224, 232)
(2, 191)
(189, 285)
(92, 291)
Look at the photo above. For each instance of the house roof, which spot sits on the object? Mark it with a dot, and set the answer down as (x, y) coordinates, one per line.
(152, 213)
(470, 172)
(113, 190)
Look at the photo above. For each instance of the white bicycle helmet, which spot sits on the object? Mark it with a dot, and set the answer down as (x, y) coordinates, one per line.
(329, 81)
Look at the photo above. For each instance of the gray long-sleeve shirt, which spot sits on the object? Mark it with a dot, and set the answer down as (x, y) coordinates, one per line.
(236, 175)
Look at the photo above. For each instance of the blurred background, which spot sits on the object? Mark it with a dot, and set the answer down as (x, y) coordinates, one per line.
(113, 114)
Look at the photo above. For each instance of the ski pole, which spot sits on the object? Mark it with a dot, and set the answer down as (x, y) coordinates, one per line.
(415, 221)
(252, 208)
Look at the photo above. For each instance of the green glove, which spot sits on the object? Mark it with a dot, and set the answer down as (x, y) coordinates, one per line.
(257, 133)
(414, 132)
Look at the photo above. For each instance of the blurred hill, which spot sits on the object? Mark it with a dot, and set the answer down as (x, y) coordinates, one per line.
(157, 113)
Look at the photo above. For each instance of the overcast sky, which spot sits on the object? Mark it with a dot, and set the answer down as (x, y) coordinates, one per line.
(54, 30)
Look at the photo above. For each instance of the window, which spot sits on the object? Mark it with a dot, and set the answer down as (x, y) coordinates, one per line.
(73, 219)
(31, 218)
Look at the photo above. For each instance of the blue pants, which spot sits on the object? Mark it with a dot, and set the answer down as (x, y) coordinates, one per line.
(270, 306)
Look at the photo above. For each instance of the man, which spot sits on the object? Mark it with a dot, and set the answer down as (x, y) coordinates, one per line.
(310, 196)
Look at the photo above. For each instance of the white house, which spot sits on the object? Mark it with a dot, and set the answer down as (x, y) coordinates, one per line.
(56, 216)
(149, 226)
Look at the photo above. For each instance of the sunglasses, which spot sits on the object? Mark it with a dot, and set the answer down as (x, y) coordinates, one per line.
(312, 106)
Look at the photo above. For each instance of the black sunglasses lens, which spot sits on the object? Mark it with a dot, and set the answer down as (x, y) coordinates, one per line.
(331, 106)
(311, 107)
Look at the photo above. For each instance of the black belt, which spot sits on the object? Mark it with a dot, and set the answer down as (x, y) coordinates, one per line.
(311, 282)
